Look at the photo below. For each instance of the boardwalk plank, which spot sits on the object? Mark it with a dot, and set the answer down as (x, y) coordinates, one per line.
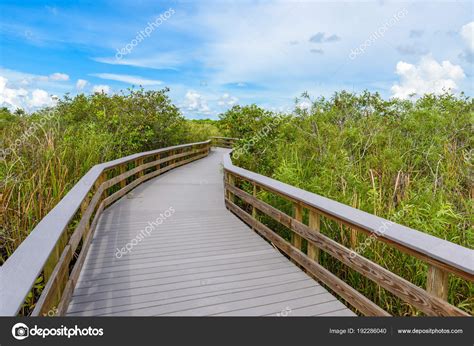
(201, 260)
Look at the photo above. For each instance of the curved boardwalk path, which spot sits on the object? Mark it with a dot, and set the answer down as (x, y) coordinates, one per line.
(200, 261)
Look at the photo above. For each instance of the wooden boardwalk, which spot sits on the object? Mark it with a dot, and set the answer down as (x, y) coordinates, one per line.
(198, 259)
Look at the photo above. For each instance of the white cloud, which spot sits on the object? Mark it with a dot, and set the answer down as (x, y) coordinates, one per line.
(101, 88)
(55, 77)
(15, 98)
(428, 77)
(136, 80)
(59, 76)
(11, 97)
(195, 102)
(164, 61)
(227, 100)
(81, 84)
(304, 105)
(467, 33)
(40, 98)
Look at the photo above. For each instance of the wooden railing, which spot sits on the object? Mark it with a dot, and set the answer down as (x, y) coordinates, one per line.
(56, 250)
(224, 142)
(443, 257)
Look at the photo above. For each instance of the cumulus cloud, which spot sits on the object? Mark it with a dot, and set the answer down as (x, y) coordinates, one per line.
(428, 76)
(196, 102)
(11, 97)
(81, 84)
(227, 100)
(14, 98)
(59, 76)
(40, 98)
(101, 88)
(467, 33)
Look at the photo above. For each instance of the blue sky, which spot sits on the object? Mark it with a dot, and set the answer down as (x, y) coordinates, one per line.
(214, 54)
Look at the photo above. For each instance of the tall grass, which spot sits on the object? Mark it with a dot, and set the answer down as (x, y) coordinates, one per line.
(53, 148)
(409, 162)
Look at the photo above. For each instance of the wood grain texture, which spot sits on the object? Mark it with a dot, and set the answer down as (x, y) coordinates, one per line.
(437, 282)
(314, 223)
(51, 294)
(296, 239)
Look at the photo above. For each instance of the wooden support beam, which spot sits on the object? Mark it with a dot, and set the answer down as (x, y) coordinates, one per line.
(100, 180)
(52, 261)
(84, 206)
(437, 282)
(296, 240)
(254, 210)
(314, 225)
(157, 158)
(354, 241)
(230, 181)
(123, 169)
(139, 162)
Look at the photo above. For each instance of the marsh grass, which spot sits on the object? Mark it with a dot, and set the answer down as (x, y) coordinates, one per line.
(408, 162)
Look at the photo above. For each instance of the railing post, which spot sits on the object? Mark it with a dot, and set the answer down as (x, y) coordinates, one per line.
(296, 238)
(84, 205)
(123, 169)
(139, 162)
(254, 210)
(437, 282)
(100, 180)
(315, 225)
(171, 162)
(230, 181)
(353, 238)
(158, 157)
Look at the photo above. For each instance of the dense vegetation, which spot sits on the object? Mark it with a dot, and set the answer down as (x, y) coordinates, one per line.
(410, 162)
(44, 154)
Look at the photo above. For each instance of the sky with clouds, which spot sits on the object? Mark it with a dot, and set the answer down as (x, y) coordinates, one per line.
(215, 54)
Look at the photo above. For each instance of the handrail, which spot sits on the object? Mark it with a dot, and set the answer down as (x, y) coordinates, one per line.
(21, 269)
(230, 138)
(225, 142)
(443, 256)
